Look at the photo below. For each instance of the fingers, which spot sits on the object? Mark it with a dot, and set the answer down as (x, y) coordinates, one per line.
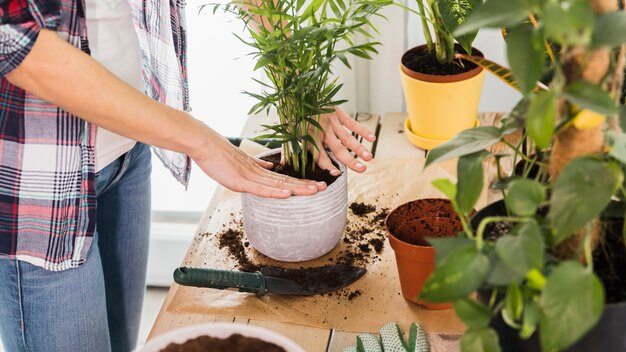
(342, 153)
(355, 126)
(323, 160)
(348, 140)
(264, 164)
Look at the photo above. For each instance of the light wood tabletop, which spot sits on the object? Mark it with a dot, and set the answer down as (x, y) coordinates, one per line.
(390, 143)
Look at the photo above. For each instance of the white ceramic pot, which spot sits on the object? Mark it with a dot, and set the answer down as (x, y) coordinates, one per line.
(219, 330)
(298, 228)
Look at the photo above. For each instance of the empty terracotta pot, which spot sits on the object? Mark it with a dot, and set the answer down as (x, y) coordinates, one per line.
(409, 226)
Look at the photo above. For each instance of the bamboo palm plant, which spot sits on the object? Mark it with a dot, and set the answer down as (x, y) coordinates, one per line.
(296, 43)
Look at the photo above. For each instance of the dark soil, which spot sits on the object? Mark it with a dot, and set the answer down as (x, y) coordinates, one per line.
(234, 343)
(361, 209)
(419, 231)
(318, 174)
(423, 62)
(495, 230)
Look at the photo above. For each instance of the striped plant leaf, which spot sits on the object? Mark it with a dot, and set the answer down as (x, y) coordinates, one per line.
(503, 73)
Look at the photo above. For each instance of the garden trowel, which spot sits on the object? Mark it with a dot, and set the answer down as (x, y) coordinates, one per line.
(303, 282)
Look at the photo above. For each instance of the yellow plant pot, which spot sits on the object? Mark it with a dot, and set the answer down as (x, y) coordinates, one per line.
(440, 106)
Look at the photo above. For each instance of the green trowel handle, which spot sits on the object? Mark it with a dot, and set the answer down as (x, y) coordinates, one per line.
(221, 279)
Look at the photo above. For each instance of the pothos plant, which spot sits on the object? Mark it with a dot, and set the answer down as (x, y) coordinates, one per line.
(541, 273)
(296, 43)
(443, 17)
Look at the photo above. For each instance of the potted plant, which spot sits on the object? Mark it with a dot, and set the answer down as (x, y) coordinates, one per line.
(442, 91)
(409, 227)
(548, 260)
(296, 44)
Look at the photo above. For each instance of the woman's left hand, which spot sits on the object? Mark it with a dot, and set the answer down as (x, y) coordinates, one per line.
(337, 136)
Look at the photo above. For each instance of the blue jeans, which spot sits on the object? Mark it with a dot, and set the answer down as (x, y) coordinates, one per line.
(97, 306)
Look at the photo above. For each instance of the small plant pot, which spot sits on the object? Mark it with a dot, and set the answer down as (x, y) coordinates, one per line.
(298, 228)
(439, 107)
(409, 226)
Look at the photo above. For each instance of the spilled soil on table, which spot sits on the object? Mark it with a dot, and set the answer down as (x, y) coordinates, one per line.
(363, 241)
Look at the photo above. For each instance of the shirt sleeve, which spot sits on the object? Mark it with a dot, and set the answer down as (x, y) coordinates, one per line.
(20, 23)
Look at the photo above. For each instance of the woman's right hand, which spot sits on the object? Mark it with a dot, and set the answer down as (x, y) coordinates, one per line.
(237, 171)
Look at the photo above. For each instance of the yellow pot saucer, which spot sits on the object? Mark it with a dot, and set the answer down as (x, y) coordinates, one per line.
(423, 142)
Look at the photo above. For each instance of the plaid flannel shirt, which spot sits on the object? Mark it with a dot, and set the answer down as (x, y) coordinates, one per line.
(47, 177)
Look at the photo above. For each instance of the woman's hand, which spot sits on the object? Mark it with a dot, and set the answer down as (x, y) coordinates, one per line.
(235, 170)
(337, 136)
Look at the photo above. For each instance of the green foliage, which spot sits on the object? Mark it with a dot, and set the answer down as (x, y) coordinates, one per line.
(541, 118)
(525, 51)
(460, 274)
(568, 316)
(480, 340)
(532, 290)
(296, 43)
(524, 196)
(445, 16)
(582, 190)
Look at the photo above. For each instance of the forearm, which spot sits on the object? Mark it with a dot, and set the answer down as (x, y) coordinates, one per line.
(63, 75)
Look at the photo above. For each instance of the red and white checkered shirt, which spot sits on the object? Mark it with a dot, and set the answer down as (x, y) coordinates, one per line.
(47, 177)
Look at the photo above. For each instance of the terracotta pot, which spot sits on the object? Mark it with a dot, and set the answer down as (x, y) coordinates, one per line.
(408, 227)
(298, 228)
(440, 106)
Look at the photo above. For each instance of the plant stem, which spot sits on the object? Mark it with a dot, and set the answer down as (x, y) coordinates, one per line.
(486, 221)
(425, 28)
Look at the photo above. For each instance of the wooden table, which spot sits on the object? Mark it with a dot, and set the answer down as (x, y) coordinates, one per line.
(390, 144)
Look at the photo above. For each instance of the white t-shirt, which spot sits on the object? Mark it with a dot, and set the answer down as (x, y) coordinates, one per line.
(113, 42)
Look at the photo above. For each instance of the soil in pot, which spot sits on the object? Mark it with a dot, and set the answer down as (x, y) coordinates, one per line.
(318, 174)
(420, 60)
(233, 343)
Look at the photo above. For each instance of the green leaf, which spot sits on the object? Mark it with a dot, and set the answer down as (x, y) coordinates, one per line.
(480, 340)
(572, 303)
(524, 196)
(467, 142)
(582, 190)
(446, 187)
(591, 96)
(526, 53)
(501, 274)
(444, 246)
(540, 118)
(495, 13)
(617, 146)
(622, 117)
(454, 13)
(470, 180)
(610, 30)
(523, 251)
(530, 317)
(513, 306)
(455, 278)
(474, 314)
(568, 21)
